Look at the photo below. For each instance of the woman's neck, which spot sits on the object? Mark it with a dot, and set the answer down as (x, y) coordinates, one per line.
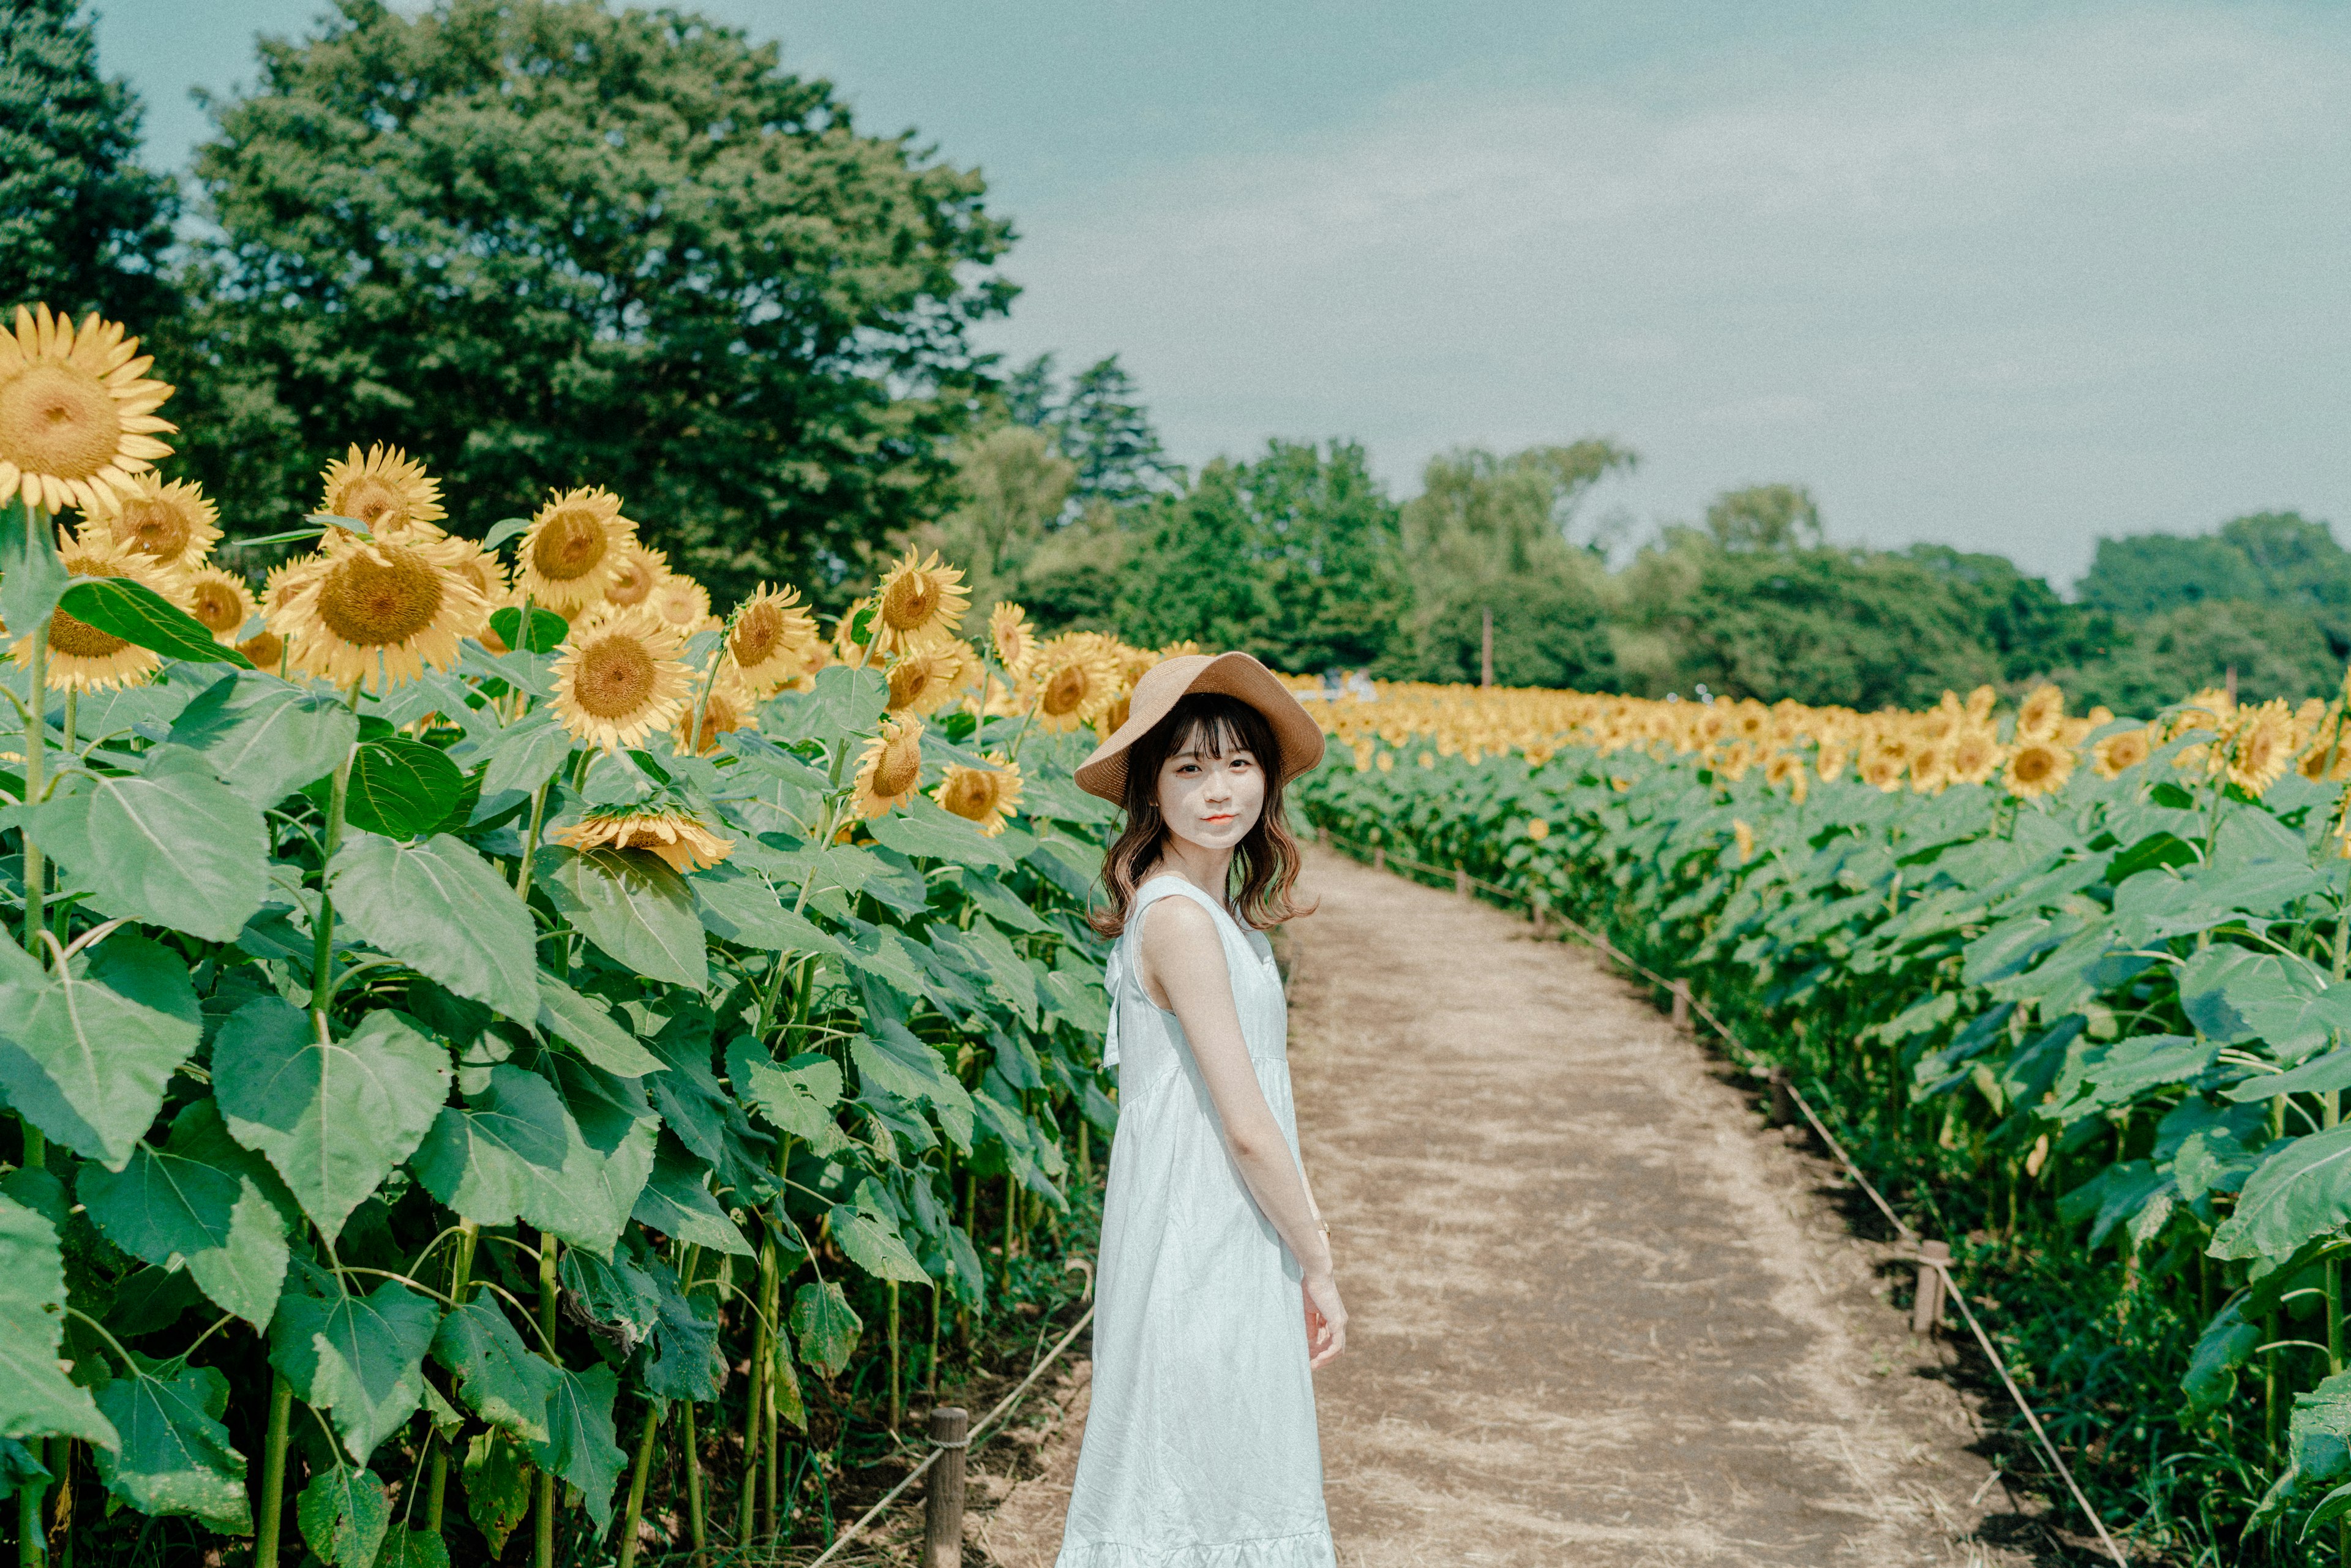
(1209, 869)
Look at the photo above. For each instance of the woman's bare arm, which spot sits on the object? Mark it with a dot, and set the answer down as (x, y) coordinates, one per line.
(1184, 970)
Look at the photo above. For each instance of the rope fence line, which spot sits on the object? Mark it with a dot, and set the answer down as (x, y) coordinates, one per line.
(1933, 1258)
(960, 1446)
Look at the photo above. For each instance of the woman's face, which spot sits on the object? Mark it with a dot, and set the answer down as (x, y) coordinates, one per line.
(1211, 801)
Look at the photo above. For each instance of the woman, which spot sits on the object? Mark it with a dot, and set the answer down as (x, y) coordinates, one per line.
(1216, 1291)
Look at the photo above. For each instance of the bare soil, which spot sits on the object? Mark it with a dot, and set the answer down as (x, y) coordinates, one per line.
(1602, 1314)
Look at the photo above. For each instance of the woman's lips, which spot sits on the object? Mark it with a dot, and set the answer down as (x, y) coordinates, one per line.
(1228, 816)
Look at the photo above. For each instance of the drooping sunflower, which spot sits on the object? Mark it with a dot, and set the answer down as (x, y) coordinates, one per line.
(1071, 680)
(983, 795)
(376, 611)
(675, 835)
(384, 488)
(618, 676)
(922, 682)
(1744, 836)
(170, 524)
(574, 546)
(79, 656)
(1783, 766)
(920, 603)
(77, 411)
(482, 569)
(773, 638)
(683, 604)
(218, 599)
(1829, 761)
(1010, 633)
(2263, 748)
(2120, 752)
(635, 575)
(2042, 710)
(891, 768)
(2327, 757)
(2038, 768)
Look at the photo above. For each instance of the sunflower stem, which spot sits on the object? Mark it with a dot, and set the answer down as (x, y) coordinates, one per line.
(548, 1250)
(530, 845)
(269, 1509)
(697, 1519)
(36, 725)
(322, 986)
(460, 1273)
(642, 1468)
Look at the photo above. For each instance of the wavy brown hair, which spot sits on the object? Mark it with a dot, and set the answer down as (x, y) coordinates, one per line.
(1266, 857)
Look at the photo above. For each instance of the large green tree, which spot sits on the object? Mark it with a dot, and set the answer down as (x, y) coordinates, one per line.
(541, 243)
(83, 226)
(1293, 557)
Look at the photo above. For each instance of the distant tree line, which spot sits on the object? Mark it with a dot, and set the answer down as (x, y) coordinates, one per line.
(543, 243)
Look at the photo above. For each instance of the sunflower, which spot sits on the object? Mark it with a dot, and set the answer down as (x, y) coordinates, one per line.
(385, 489)
(665, 832)
(919, 603)
(1071, 680)
(2327, 757)
(80, 656)
(220, 600)
(483, 569)
(1782, 765)
(2038, 717)
(1931, 770)
(1885, 770)
(76, 412)
(891, 769)
(2038, 768)
(172, 525)
(1830, 762)
(725, 708)
(1976, 755)
(1745, 838)
(2264, 747)
(2120, 752)
(573, 548)
(983, 795)
(773, 638)
(922, 682)
(682, 604)
(618, 676)
(376, 611)
(1010, 633)
(639, 568)
(265, 650)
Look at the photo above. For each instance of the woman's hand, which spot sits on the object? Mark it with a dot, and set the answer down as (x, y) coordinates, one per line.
(1326, 1321)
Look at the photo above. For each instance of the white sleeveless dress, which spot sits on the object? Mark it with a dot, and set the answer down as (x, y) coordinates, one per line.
(1200, 1449)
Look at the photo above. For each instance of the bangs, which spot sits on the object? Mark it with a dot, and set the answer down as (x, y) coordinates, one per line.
(1215, 726)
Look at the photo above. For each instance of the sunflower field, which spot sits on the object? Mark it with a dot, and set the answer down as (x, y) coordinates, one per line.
(497, 1049)
(2078, 989)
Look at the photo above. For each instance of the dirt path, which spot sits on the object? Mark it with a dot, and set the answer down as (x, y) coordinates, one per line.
(1600, 1316)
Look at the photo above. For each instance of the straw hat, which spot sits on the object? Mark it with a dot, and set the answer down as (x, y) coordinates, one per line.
(1237, 675)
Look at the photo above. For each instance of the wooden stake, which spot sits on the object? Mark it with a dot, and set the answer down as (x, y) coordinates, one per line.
(1927, 1311)
(1460, 883)
(942, 1494)
(1681, 1004)
(1783, 1104)
(1543, 917)
(1379, 859)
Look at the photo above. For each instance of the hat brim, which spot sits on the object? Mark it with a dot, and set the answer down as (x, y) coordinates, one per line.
(1237, 675)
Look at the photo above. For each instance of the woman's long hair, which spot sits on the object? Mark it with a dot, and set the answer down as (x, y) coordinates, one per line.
(1266, 857)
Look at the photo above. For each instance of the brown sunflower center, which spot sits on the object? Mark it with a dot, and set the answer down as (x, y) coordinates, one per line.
(266, 651)
(908, 682)
(215, 604)
(58, 420)
(1065, 692)
(83, 640)
(380, 598)
(571, 546)
(972, 795)
(900, 768)
(631, 581)
(371, 501)
(718, 717)
(910, 601)
(2034, 764)
(153, 527)
(758, 634)
(615, 678)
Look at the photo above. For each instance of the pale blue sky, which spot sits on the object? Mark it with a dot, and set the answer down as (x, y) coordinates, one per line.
(2007, 277)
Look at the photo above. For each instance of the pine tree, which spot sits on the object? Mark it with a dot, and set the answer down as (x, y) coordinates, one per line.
(83, 226)
(1110, 436)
